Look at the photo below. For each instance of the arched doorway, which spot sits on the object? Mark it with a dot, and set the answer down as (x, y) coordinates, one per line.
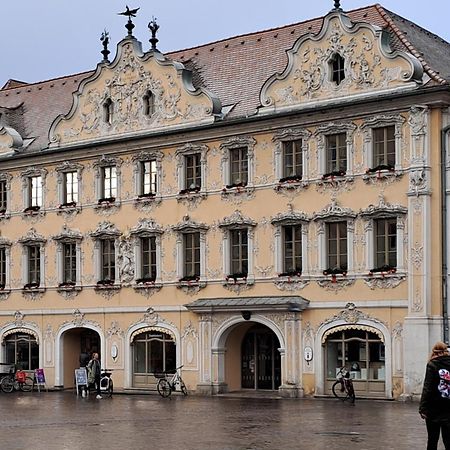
(22, 349)
(153, 351)
(75, 342)
(260, 359)
(361, 350)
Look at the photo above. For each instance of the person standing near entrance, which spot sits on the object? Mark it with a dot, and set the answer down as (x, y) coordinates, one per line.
(93, 368)
(435, 401)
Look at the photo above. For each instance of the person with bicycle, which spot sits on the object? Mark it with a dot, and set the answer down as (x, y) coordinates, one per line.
(94, 371)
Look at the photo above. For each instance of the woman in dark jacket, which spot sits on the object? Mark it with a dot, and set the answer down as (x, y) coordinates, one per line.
(435, 401)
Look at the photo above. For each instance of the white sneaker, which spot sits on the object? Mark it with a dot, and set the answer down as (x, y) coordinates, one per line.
(98, 397)
(83, 393)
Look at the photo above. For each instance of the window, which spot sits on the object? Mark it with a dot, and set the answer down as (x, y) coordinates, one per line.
(149, 104)
(70, 193)
(385, 243)
(3, 264)
(238, 167)
(148, 178)
(22, 350)
(292, 250)
(292, 160)
(239, 252)
(191, 256)
(3, 196)
(337, 66)
(148, 258)
(34, 265)
(193, 175)
(336, 148)
(35, 192)
(337, 246)
(108, 111)
(109, 187)
(108, 260)
(69, 263)
(384, 147)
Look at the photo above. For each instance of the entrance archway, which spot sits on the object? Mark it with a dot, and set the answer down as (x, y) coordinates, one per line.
(75, 342)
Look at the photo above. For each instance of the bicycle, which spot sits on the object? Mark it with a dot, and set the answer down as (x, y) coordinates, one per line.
(343, 387)
(18, 381)
(106, 382)
(168, 383)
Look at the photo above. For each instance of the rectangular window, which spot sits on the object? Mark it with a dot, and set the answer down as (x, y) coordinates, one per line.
(292, 160)
(384, 147)
(34, 264)
(2, 267)
(191, 254)
(193, 171)
(108, 260)
(148, 258)
(109, 190)
(238, 166)
(35, 191)
(70, 263)
(337, 245)
(148, 178)
(70, 187)
(336, 154)
(239, 252)
(386, 243)
(292, 246)
(3, 196)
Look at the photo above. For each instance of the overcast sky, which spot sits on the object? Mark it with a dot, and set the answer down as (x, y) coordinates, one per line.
(43, 39)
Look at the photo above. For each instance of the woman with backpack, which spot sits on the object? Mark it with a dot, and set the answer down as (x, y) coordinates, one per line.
(435, 401)
(93, 369)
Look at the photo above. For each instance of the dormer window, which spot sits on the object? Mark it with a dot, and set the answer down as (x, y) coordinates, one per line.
(108, 111)
(149, 104)
(337, 63)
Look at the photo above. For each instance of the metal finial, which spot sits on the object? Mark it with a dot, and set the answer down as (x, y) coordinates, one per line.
(129, 13)
(153, 27)
(104, 38)
(337, 4)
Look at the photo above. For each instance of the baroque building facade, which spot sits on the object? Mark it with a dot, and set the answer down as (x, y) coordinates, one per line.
(261, 210)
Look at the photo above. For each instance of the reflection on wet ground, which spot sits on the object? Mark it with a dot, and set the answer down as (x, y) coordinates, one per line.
(61, 420)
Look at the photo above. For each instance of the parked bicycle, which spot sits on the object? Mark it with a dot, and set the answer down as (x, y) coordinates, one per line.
(168, 382)
(106, 382)
(17, 380)
(343, 387)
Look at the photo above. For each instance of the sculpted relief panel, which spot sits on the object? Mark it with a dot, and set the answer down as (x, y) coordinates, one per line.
(136, 92)
(365, 63)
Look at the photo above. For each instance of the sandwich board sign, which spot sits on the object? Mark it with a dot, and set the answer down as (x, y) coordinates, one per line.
(81, 379)
(39, 379)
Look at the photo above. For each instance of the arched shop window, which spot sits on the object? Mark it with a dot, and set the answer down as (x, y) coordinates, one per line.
(154, 352)
(361, 351)
(22, 350)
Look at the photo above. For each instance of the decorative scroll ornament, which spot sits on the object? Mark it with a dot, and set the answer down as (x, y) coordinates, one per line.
(236, 220)
(334, 212)
(105, 230)
(351, 314)
(384, 282)
(383, 210)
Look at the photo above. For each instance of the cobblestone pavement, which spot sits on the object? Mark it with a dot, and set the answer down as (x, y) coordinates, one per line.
(61, 420)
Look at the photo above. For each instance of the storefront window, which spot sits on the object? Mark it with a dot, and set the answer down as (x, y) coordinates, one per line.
(22, 350)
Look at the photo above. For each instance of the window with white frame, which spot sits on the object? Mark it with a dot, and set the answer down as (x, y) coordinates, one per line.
(385, 243)
(148, 182)
(33, 181)
(68, 257)
(149, 104)
(3, 196)
(109, 183)
(382, 143)
(108, 260)
(292, 160)
(70, 193)
(336, 148)
(238, 245)
(191, 168)
(107, 180)
(337, 69)
(148, 267)
(5, 263)
(147, 174)
(237, 162)
(108, 110)
(69, 263)
(33, 260)
(292, 249)
(191, 257)
(69, 184)
(337, 254)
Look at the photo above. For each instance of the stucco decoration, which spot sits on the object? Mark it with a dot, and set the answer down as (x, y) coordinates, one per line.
(78, 320)
(383, 210)
(308, 341)
(236, 220)
(105, 230)
(49, 343)
(10, 140)
(370, 65)
(124, 85)
(384, 282)
(189, 340)
(334, 212)
(126, 261)
(20, 322)
(151, 317)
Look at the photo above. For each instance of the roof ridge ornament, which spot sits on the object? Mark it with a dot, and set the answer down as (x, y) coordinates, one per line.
(129, 13)
(104, 38)
(337, 5)
(153, 27)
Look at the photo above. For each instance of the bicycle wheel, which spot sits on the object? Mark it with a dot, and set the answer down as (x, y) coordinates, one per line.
(164, 388)
(7, 384)
(27, 385)
(183, 387)
(339, 390)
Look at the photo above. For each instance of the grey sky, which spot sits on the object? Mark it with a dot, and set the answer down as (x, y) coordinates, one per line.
(46, 39)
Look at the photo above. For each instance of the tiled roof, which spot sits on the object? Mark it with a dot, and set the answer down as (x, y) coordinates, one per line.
(233, 69)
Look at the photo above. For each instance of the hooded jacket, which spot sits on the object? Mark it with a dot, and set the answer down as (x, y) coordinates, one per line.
(432, 404)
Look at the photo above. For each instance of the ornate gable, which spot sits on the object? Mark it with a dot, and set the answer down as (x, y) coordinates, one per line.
(136, 93)
(366, 64)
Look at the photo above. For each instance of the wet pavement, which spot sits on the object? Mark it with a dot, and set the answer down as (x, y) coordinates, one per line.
(61, 420)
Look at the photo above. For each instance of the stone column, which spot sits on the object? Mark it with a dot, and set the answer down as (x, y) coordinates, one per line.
(205, 376)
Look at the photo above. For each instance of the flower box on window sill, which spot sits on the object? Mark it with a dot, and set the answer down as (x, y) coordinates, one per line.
(68, 205)
(381, 172)
(291, 276)
(292, 182)
(106, 201)
(188, 191)
(193, 280)
(107, 284)
(335, 273)
(147, 196)
(2, 286)
(68, 286)
(236, 278)
(32, 210)
(333, 175)
(2, 212)
(32, 287)
(383, 271)
(234, 188)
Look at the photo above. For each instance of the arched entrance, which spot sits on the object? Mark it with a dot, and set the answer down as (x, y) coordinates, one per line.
(21, 349)
(361, 350)
(75, 342)
(153, 351)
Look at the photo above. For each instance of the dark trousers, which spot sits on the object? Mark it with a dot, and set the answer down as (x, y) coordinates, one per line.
(97, 385)
(434, 429)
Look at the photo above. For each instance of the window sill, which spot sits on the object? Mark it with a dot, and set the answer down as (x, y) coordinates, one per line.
(33, 211)
(296, 183)
(381, 175)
